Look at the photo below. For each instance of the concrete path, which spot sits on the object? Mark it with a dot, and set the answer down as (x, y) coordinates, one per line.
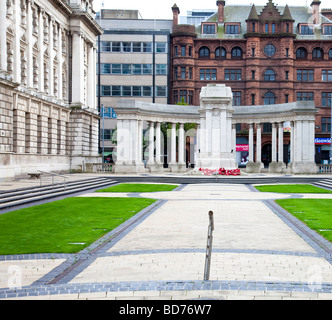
(259, 252)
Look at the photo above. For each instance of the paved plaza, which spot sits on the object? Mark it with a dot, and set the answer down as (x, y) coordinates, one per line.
(259, 252)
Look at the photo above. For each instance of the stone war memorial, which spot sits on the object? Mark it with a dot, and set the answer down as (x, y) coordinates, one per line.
(215, 140)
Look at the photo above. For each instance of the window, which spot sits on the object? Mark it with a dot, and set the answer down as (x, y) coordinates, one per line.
(204, 52)
(287, 75)
(286, 98)
(137, 46)
(190, 73)
(253, 27)
(176, 51)
(176, 73)
(328, 30)
(147, 68)
(318, 54)
(233, 74)
(183, 73)
(287, 27)
(287, 52)
(327, 75)
(106, 134)
(253, 73)
(236, 98)
(147, 91)
(186, 95)
(147, 47)
(161, 69)
(137, 69)
(116, 46)
(116, 68)
(221, 52)
(301, 53)
(137, 91)
(105, 46)
(269, 75)
(126, 46)
(306, 29)
(126, 69)
(232, 29)
(326, 125)
(116, 91)
(253, 52)
(269, 98)
(126, 91)
(208, 74)
(326, 99)
(161, 47)
(183, 51)
(273, 28)
(305, 75)
(209, 28)
(190, 51)
(266, 28)
(236, 53)
(330, 54)
(305, 96)
(106, 91)
(105, 68)
(270, 50)
(253, 99)
(161, 91)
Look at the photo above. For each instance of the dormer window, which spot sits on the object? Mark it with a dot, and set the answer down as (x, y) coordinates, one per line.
(327, 29)
(232, 28)
(209, 28)
(306, 29)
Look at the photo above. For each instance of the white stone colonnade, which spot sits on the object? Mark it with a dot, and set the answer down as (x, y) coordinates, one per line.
(216, 121)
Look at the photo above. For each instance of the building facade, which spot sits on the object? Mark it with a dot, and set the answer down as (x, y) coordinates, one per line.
(48, 107)
(134, 64)
(267, 54)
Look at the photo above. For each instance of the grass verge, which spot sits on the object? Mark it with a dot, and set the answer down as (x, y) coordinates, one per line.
(65, 226)
(139, 187)
(292, 188)
(315, 213)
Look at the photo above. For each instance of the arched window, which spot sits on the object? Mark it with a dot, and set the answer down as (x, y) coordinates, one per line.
(330, 54)
(318, 54)
(204, 52)
(269, 75)
(236, 53)
(269, 98)
(221, 53)
(301, 53)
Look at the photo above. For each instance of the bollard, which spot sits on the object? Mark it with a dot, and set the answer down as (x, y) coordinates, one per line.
(209, 247)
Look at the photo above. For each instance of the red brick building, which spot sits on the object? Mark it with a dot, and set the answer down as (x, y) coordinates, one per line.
(267, 54)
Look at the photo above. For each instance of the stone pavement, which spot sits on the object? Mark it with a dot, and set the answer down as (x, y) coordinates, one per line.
(259, 252)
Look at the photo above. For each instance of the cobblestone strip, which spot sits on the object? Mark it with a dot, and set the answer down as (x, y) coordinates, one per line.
(65, 289)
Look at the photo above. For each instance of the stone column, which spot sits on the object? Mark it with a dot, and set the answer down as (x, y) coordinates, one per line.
(3, 36)
(281, 143)
(292, 141)
(259, 144)
(173, 164)
(91, 90)
(159, 163)
(151, 160)
(41, 52)
(181, 162)
(251, 142)
(78, 71)
(120, 143)
(274, 142)
(198, 146)
(29, 48)
(140, 144)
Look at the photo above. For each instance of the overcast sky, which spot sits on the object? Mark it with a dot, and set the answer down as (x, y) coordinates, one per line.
(161, 9)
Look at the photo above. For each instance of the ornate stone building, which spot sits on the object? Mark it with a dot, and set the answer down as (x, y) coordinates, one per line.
(267, 54)
(49, 118)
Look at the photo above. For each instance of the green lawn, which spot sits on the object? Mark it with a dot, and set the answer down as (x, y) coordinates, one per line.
(315, 213)
(139, 187)
(292, 188)
(65, 226)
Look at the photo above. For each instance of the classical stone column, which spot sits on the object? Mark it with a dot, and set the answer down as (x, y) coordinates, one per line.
(281, 143)
(259, 144)
(91, 90)
(120, 143)
(251, 142)
(78, 71)
(140, 143)
(151, 160)
(159, 163)
(292, 141)
(274, 142)
(173, 164)
(3, 36)
(181, 162)
(40, 58)
(198, 146)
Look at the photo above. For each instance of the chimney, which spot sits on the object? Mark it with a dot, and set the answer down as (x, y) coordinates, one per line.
(176, 12)
(221, 7)
(315, 11)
